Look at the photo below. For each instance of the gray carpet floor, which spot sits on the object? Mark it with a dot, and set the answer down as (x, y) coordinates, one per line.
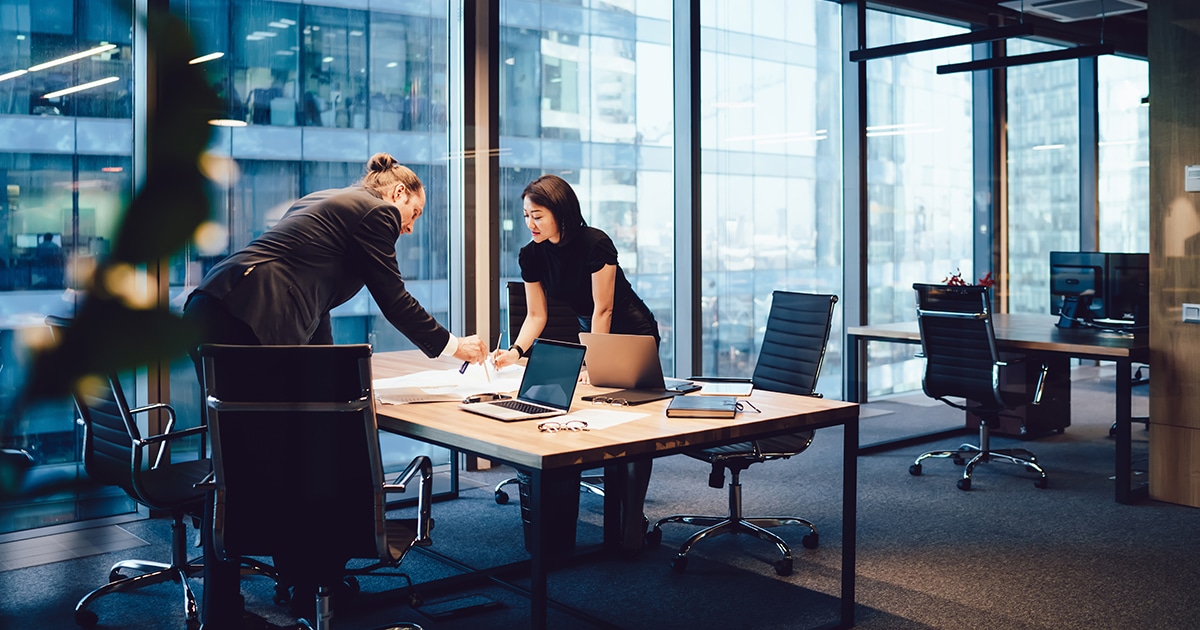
(1005, 554)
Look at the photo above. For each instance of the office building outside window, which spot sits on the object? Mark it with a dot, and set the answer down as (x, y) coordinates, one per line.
(919, 183)
(1043, 173)
(1124, 190)
(66, 167)
(585, 93)
(771, 185)
(320, 89)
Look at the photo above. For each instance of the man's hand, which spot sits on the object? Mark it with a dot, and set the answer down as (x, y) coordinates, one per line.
(471, 349)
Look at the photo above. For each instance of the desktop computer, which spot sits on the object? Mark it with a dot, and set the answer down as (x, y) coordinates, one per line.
(1110, 289)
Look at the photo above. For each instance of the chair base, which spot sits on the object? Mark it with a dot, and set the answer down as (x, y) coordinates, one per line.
(1018, 456)
(735, 523)
(179, 570)
(756, 526)
(323, 619)
(590, 484)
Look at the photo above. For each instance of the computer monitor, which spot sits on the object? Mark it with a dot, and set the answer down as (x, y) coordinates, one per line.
(1127, 288)
(30, 241)
(1077, 286)
(1109, 286)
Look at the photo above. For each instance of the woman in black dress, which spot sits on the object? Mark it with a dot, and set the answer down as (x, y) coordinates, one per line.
(577, 264)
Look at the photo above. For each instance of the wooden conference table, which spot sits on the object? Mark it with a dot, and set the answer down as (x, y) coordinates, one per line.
(1033, 333)
(543, 455)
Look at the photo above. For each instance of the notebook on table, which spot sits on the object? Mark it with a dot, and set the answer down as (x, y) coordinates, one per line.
(547, 387)
(702, 407)
(629, 362)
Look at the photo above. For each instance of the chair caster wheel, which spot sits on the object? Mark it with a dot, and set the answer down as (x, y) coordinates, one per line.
(282, 596)
(958, 461)
(653, 537)
(351, 584)
(964, 484)
(915, 470)
(193, 624)
(811, 541)
(783, 567)
(501, 497)
(86, 618)
(679, 564)
(1042, 483)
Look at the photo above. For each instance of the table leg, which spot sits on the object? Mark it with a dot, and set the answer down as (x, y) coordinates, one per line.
(1123, 477)
(849, 519)
(853, 383)
(614, 489)
(537, 560)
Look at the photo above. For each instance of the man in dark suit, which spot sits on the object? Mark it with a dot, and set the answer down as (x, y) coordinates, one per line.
(281, 288)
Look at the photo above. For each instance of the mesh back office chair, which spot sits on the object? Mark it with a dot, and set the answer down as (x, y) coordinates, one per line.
(789, 361)
(296, 463)
(961, 361)
(562, 324)
(115, 453)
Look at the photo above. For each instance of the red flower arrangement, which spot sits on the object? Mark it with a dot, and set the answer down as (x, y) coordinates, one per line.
(956, 280)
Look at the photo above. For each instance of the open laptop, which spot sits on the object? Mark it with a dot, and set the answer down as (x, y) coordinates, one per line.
(547, 387)
(628, 362)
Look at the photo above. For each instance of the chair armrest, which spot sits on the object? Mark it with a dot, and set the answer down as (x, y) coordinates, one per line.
(424, 466)
(208, 483)
(165, 438)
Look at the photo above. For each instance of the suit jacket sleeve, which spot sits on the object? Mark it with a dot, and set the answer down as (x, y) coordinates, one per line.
(376, 237)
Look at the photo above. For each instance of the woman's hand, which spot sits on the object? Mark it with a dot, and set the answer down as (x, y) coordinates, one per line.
(502, 358)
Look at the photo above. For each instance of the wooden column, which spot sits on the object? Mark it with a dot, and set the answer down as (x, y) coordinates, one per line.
(1174, 48)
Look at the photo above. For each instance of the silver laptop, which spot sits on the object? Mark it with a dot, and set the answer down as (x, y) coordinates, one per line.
(627, 362)
(547, 388)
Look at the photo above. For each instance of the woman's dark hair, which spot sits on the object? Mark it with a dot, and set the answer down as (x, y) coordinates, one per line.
(384, 172)
(555, 194)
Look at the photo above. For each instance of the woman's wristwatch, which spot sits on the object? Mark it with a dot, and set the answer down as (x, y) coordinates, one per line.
(519, 349)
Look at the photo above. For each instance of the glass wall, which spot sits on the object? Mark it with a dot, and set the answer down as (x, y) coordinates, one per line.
(586, 94)
(1043, 173)
(771, 187)
(919, 183)
(1124, 154)
(321, 88)
(66, 146)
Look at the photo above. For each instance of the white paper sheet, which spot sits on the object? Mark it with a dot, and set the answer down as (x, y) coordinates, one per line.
(474, 381)
(599, 419)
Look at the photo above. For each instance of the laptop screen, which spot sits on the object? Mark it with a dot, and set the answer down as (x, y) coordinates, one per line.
(551, 373)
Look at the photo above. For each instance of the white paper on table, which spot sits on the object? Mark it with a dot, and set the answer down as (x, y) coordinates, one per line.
(474, 381)
(598, 419)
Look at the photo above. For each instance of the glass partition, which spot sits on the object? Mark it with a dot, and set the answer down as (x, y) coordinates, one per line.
(919, 183)
(771, 185)
(1043, 173)
(585, 93)
(66, 146)
(1124, 185)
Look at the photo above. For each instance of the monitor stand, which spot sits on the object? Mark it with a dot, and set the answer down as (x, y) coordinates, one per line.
(1075, 310)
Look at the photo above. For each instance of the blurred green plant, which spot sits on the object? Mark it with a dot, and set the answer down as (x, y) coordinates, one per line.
(117, 325)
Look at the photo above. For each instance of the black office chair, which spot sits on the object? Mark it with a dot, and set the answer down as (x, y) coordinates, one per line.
(297, 467)
(789, 361)
(961, 361)
(562, 324)
(115, 453)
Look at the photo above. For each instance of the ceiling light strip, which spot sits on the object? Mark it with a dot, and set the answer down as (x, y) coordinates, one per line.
(1078, 52)
(962, 39)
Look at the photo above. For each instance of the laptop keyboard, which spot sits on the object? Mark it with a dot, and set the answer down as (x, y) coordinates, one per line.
(523, 407)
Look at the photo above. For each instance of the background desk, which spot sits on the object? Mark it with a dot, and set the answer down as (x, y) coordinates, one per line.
(1032, 333)
(521, 445)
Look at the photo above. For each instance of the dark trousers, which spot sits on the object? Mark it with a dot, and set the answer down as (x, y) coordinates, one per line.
(222, 603)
